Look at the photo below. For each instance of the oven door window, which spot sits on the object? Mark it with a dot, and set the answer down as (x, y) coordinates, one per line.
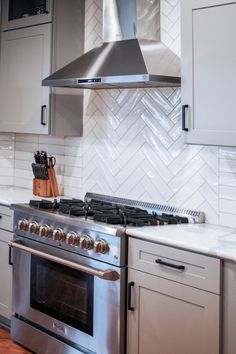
(62, 293)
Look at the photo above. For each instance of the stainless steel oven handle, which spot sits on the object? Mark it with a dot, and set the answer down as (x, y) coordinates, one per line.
(106, 274)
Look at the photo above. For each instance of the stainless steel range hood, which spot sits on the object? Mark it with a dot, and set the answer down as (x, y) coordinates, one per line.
(132, 54)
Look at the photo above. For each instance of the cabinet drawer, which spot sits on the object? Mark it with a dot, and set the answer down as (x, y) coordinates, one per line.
(6, 218)
(199, 271)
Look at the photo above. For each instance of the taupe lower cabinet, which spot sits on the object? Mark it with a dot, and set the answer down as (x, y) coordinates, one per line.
(5, 275)
(6, 226)
(165, 314)
(229, 307)
(208, 54)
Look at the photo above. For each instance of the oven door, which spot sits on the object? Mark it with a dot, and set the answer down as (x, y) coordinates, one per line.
(72, 297)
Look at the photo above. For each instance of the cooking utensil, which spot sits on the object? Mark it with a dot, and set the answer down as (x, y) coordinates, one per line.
(51, 161)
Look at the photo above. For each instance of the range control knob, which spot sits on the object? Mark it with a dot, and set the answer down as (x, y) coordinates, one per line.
(23, 225)
(72, 238)
(45, 231)
(101, 246)
(58, 235)
(34, 227)
(86, 242)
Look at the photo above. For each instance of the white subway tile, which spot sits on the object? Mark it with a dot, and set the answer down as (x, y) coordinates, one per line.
(227, 219)
(227, 206)
(227, 152)
(227, 165)
(6, 180)
(227, 179)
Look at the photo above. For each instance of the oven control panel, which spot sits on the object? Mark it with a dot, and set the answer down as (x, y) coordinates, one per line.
(71, 238)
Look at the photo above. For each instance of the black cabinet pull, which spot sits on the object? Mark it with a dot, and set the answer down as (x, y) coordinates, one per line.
(10, 256)
(130, 285)
(184, 107)
(171, 265)
(43, 108)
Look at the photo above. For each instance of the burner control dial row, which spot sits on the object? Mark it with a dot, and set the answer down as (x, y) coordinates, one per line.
(71, 238)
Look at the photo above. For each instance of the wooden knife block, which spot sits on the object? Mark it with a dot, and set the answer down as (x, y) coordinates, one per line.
(46, 187)
(42, 187)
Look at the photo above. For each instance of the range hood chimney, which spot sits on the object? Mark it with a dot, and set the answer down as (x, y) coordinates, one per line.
(132, 54)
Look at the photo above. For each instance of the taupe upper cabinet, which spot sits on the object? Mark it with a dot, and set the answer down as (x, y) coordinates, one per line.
(25, 60)
(28, 55)
(209, 71)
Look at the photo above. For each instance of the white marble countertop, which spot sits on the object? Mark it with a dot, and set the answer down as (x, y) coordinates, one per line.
(208, 239)
(11, 195)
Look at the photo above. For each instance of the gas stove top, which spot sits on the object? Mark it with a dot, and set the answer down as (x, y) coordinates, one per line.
(108, 213)
(93, 227)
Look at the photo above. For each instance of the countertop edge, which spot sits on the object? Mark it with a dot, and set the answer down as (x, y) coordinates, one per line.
(216, 250)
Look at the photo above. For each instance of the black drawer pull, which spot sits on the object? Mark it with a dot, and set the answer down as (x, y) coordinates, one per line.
(130, 285)
(43, 110)
(171, 265)
(10, 256)
(184, 107)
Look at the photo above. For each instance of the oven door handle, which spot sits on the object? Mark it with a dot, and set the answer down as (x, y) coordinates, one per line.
(108, 274)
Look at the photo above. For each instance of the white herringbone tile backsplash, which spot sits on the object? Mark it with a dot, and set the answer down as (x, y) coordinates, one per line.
(131, 145)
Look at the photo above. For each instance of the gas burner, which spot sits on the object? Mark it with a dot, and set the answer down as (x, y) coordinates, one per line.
(174, 219)
(71, 207)
(47, 204)
(43, 204)
(72, 201)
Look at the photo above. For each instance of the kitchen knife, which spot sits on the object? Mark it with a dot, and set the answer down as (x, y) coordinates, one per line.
(37, 157)
(40, 171)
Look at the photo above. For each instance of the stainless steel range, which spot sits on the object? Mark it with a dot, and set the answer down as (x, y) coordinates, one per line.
(69, 271)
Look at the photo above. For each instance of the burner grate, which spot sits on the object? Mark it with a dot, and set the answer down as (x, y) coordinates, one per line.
(111, 211)
(192, 216)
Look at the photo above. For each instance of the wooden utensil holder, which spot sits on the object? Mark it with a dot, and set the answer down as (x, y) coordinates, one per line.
(42, 187)
(46, 187)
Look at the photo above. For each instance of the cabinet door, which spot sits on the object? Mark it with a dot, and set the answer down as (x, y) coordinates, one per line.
(229, 307)
(5, 276)
(17, 14)
(171, 318)
(208, 71)
(25, 61)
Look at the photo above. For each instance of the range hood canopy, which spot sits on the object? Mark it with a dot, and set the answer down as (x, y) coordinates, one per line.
(132, 54)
